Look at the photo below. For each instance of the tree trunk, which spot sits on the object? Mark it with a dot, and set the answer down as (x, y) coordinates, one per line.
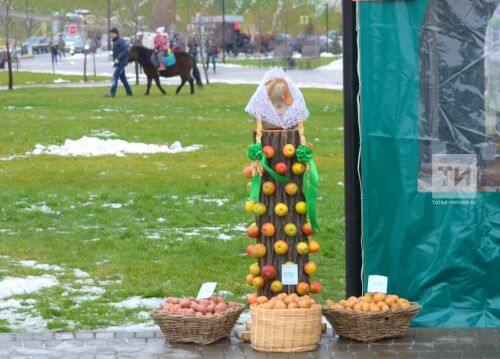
(278, 139)
(9, 63)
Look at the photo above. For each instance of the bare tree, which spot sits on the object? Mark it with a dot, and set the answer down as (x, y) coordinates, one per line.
(131, 19)
(163, 14)
(5, 23)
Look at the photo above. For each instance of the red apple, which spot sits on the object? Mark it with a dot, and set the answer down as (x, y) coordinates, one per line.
(268, 188)
(290, 229)
(258, 282)
(302, 248)
(289, 150)
(291, 188)
(280, 168)
(269, 271)
(315, 287)
(250, 250)
(310, 268)
(298, 168)
(280, 247)
(268, 151)
(253, 231)
(303, 288)
(259, 250)
(313, 247)
(252, 299)
(307, 229)
(276, 286)
(268, 229)
(254, 269)
(250, 279)
(247, 171)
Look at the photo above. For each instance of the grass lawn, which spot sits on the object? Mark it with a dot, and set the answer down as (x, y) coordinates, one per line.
(31, 78)
(104, 229)
(300, 64)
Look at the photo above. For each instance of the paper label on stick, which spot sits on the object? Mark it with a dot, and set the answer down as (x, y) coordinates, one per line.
(206, 290)
(289, 274)
(377, 284)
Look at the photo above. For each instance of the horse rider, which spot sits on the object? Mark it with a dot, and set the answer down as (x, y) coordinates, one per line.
(161, 45)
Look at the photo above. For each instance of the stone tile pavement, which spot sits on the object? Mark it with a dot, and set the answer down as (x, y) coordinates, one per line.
(418, 343)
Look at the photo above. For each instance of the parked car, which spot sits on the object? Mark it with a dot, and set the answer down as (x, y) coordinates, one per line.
(281, 39)
(73, 44)
(40, 45)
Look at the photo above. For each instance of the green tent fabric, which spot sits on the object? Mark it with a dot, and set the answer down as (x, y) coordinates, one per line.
(422, 82)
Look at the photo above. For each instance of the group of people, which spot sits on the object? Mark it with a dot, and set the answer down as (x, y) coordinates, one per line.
(162, 45)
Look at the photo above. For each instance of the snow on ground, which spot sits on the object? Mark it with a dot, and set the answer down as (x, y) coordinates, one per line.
(36, 265)
(138, 302)
(60, 81)
(336, 65)
(10, 286)
(103, 133)
(197, 198)
(92, 146)
(41, 207)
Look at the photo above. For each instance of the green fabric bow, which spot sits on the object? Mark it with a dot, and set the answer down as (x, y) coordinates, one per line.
(305, 155)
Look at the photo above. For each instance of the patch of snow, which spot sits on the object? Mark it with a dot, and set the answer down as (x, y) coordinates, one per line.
(224, 293)
(336, 65)
(206, 199)
(162, 220)
(92, 146)
(138, 302)
(112, 205)
(141, 327)
(42, 207)
(341, 184)
(224, 237)
(103, 133)
(154, 236)
(326, 54)
(10, 286)
(36, 265)
(60, 81)
(81, 274)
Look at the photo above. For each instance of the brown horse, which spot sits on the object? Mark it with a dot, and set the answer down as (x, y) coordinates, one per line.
(182, 67)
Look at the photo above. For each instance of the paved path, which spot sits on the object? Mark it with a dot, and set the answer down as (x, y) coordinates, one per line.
(418, 343)
(328, 78)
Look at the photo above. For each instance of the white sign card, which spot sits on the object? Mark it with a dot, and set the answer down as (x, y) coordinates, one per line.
(206, 290)
(377, 284)
(289, 274)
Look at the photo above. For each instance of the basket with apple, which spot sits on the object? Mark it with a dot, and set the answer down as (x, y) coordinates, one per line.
(285, 323)
(372, 317)
(204, 321)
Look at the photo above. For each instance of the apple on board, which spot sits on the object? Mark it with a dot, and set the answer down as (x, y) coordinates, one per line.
(302, 248)
(259, 250)
(281, 209)
(310, 268)
(268, 271)
(289, 150)
(313, 247)
(247, 171)
(280, 168)
(298, 168)
(268, 188)
(268, 151)
(301, 207)
(259, 209)
(276, 286)
(290, 229)
(291, 188)
(268, 229)
(253, 230)
(280, 247)
(302, 288)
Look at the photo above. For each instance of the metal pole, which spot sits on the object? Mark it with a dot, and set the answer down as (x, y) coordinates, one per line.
(326, 25)
(109, 24)
(223, 32)
(353, 256)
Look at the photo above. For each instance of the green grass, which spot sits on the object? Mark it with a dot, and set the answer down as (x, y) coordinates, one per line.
(163, 240)
(300, 64)
(29, 78)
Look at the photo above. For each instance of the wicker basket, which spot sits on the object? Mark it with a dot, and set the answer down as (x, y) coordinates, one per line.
(285, 330)
(179, 328)
(367, 327)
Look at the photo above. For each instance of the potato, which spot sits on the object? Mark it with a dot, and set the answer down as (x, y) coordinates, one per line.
(208, 314)
(365, 298)
(211, 308)
(198, 314)
(282, 296)
(293, 305)
(280, 305)
(185, 303)
(365, 307)
(221, 307)
(349, 303)
(342, 303)
(389, 300)
(384, 307)
(357, 307)
(262, 299)
(190, 311)
(379, 297)
(304, 303)
(374, 308)
(352, 298)
(329, 303)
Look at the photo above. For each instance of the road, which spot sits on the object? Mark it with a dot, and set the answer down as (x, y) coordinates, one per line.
(330, 77)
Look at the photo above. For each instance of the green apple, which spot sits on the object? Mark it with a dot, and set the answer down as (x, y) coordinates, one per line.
(280, 247)
(301, 207)
(302, 248)
(290, 229)
(276, 286)
(249, 206)
(281, 209)
(259, 209)
(289, 150)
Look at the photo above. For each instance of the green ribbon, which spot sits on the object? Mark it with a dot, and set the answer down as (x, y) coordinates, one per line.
(271, 172)
(254, 151)
(305, 155)
(255, 188)
(311, 194)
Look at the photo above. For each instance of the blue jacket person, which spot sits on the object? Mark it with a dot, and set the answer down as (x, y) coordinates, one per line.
(120, 60)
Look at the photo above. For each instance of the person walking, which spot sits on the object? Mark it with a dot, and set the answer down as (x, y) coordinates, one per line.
(193, 47)
(54, 50)
(62, 50)
(211, 49)
(120, 60)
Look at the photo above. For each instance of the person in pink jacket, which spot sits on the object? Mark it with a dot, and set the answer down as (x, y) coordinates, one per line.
(161, 45)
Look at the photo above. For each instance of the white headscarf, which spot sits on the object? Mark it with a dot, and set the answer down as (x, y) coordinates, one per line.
(161, 29)
(260, 105)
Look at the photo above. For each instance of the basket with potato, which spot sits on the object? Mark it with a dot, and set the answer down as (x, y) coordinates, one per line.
(372, 317)
(285, 323)
(201, 321)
